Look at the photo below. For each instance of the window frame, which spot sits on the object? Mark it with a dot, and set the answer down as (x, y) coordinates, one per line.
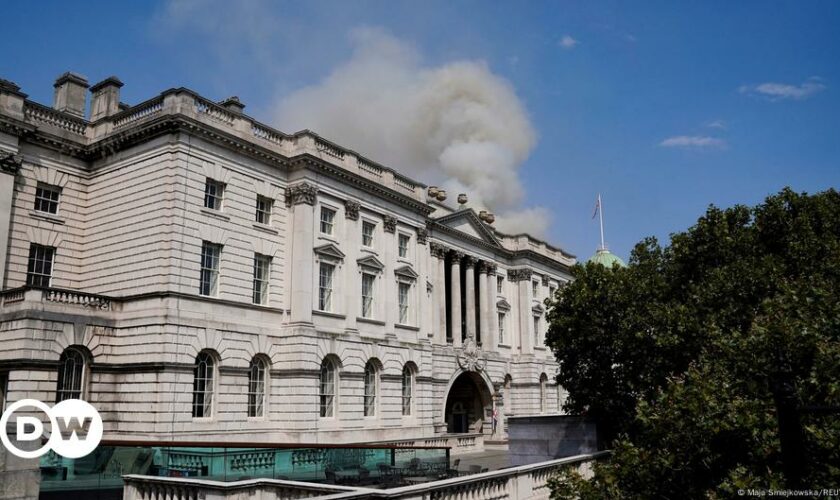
(322, 222)
(214, 200)
(325, 293)
(371, 295)
(370, 400)
(404, 251)
(263, 214)
(403, 308)
(502, 318)
(500, 285)
(45, 261)
(207, 383)
(42, 201)
(78, 377)
(261, 283)
(328, 401)
(407, 387)
(371, 236)
(209, 276)
(257, 387)
(537, 326)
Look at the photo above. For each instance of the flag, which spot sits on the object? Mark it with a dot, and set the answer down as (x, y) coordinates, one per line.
(597, 206)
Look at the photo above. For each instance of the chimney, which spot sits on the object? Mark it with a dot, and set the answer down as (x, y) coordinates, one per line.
(71, 94)
(105, 98)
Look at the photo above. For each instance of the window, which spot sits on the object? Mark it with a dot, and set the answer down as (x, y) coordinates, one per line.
(371, 388)
(71, 375)
(367, 294)
(46, 198)
(262, 264)
(39, 269)
(367, 233)
(404, 289)
(4, 390)
(264, 209)
(327, 390)
(535, 288)
(500, 282)
(327, 220)
(407, 388)
(402, 242)
(256, 387)
(536, 331)
(502, 328)
(325, 284)
(202, 406)
(210, 254)
(551, 291)
(543, 383)
(214, 191)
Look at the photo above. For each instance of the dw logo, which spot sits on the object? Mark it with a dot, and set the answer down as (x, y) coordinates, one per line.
(75, 428)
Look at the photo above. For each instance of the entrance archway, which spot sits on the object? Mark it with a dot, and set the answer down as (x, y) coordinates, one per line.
(468, 404)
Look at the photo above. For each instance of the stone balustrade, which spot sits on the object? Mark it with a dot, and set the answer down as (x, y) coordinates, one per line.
(458, 444)
(527, 482)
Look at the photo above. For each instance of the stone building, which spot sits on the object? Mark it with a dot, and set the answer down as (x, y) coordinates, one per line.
(196, 274)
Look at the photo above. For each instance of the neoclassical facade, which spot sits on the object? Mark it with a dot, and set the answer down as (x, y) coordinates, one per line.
(196, 274)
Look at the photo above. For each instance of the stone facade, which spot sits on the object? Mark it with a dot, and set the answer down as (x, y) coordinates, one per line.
(162, 214)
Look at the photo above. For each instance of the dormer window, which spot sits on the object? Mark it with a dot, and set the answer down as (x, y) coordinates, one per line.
(214, 192)
(327, 220)
(46, 198)
(402, 245)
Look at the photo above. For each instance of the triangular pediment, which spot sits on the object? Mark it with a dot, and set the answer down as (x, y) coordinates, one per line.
(503, 305)
(406, 272)
(330, 250)
(371, 262)
(466, 221)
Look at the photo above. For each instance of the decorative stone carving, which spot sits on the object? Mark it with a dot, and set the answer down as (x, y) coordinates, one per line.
(470, 357)
(470, 261)
(523, 274)
(301, 193)
(422, 235)
(10, 163)
(437, 250)
(389, 224)
(351, 209)
(545, 280)
(486, 267)
(457, 255)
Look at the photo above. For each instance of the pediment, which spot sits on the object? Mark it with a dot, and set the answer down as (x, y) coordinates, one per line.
(503, 305)
(406, 272)
(329, 250)
(466, 221)
(371, 262)
(538, 308)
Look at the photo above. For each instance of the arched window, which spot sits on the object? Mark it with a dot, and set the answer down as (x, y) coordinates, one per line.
(407, 389)
(72, 374)
(256, 387)
(371, 388)
(328, 388)
(203, 385)
(543, 383)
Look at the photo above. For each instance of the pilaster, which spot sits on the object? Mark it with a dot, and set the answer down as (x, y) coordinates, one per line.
(301, 198)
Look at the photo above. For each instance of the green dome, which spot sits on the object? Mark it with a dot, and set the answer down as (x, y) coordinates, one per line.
(606, 259)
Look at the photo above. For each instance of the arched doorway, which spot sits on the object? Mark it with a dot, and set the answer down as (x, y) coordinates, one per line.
(468, 404)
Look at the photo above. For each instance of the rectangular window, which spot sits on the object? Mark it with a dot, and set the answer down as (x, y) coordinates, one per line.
(325, 285)
(262, 264)
(264, 209)
(327, 220)
(404, 290)
(214, 191)
(367, 233)
(535, 288)
(210, 255)
(46, 198)
(39, 269)
(500, 282)
(403, 241)
(367, 294)
(537, 331)
(551, 291)
(502, 328)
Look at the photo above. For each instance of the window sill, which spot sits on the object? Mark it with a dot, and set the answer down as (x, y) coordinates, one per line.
(215, 213)
(328, 314)
(369, 250)
(203, 420)
(506, 346)
(55, 219)
(407, 327)
(362, 319)
(328, 237)
(406, 261)
(265, 228)
(540, 348)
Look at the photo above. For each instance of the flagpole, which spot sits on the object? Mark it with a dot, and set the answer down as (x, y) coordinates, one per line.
(601, 217)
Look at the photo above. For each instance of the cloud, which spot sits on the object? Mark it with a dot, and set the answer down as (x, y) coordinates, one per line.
(778, 91)
(567, 42)
(693, 142)
(718, 124)
(457, 125)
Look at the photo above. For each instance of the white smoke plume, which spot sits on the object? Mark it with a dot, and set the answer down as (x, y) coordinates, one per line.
(457, 125)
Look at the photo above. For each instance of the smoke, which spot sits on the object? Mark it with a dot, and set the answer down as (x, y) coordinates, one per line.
(457, 125)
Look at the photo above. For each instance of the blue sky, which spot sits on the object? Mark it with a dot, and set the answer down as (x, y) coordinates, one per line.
(662, 107)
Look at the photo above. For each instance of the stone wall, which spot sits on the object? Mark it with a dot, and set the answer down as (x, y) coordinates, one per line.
(20, 479)
(547, 437)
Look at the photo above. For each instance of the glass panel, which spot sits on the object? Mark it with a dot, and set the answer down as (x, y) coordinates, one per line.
(39, 266)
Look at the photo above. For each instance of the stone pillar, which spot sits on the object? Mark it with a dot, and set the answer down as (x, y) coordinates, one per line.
(301, 197)
(455, 299)
(492, 314)
(438, 253)
(353, 276)
(522, 278)
(469, 290)
(9, 166)
(484, 324)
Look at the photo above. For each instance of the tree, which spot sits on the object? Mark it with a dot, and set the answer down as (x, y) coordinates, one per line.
(693, 357)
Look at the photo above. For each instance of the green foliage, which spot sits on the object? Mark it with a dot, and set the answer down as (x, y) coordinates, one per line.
(677, 355)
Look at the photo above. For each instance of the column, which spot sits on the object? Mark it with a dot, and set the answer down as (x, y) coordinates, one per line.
(301, 198)
(484, 324)
(455, 297)
(492, 314)
(9, 167)
(522, 277)
(438, 271)
(469, 290)
(352, 276)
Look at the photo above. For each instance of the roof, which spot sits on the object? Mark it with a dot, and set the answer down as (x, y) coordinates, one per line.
(606, 258)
